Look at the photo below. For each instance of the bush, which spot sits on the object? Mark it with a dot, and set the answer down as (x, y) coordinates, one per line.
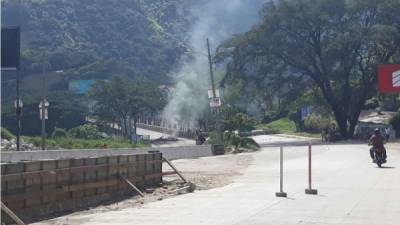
(232, 139)
(395, 122)
(390, 104)
(271, 116)
(241, 122)
(372, 103)
(59, 132)
(316, 123)
(86, 131)
(6, 134)
(75, 143)
(278, 126)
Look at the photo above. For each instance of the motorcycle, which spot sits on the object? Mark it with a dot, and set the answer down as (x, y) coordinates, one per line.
(379, 158)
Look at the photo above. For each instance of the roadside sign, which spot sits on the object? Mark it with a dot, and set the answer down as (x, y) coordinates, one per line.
(20, 103)
(215, 102)
(210, 93)
(10, 48)
(389, 78)
(46, 105)
(306, 112)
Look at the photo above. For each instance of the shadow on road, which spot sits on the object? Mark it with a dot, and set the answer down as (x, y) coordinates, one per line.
(388, 167)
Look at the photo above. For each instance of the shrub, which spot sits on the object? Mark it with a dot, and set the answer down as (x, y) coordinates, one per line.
(278, 126)
(86, 131)
(271, 116)
(315, 123)
(372, 103)
(395, 122)
(389, 104)
(59, 132)
(232, 139)
(241, 122)
(6, 134)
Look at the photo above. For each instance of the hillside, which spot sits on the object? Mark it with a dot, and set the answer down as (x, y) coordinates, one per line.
(99, 39)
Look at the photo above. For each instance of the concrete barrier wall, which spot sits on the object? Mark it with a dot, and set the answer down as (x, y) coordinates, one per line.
(170, 153)
(40, 188)
(188, 133)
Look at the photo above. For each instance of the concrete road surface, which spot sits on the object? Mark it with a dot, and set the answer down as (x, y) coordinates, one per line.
(156, 135)
(352, 191)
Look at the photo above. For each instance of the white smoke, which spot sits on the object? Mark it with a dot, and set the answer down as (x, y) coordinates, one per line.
(217, 20)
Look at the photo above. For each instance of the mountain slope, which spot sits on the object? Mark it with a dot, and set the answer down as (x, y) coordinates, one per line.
(99, 39)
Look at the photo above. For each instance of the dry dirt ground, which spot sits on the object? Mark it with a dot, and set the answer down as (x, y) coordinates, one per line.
(206, 173)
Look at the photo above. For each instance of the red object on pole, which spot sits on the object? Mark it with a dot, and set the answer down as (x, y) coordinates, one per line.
(389, 78)
(309, 190)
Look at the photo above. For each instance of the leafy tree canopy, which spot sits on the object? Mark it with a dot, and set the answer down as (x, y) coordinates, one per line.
(99, 39)
(335, 45)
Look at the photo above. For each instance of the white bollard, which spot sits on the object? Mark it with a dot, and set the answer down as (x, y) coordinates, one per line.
(281, 193)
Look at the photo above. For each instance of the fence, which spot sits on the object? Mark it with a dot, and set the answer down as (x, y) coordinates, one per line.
(40, 188)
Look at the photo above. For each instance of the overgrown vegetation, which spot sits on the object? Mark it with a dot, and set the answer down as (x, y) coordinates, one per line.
(6, 134)
(328, 50)
(85, 131)
(278, 126)
(395, 122)
(77, 143)
(92, 40)
(234, 140)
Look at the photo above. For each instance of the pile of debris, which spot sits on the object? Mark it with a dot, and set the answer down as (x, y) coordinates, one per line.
(11, 145)
(164, 140)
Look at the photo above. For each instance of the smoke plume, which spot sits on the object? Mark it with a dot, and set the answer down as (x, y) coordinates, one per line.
(217, 20)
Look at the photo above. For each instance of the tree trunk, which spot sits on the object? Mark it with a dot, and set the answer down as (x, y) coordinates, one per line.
(135, 129)
(125, 128)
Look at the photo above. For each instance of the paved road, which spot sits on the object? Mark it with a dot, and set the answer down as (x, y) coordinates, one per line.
(156, 135)
(352, 191)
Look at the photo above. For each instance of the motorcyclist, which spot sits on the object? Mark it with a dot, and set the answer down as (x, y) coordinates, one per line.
(377, 142)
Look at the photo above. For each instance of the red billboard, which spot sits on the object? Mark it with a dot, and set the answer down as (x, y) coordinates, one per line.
(389, 78)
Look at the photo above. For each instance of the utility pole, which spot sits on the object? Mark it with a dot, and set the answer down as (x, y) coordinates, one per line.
(214, 95)
(42, 107)
(211, 69)
(18, 112)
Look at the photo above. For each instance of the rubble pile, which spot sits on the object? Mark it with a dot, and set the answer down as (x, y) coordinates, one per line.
(11, 145)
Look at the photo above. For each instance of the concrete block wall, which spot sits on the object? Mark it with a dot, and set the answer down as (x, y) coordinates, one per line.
(170, 153)
(41, 188)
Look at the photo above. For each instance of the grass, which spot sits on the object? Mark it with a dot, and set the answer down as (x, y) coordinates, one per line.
(75, 143)
(279, 126)
(284, 126)
(6, 134)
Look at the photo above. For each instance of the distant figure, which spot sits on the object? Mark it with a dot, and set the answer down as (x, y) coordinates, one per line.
(104, 145)
(200, 138)
(377, 142)
(387, 133)
(325, 134)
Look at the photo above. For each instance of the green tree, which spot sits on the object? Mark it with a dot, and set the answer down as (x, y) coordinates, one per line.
(336, 44)
(123, 101)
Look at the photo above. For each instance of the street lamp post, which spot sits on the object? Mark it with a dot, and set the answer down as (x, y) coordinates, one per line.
(18, 111)
(43, 107)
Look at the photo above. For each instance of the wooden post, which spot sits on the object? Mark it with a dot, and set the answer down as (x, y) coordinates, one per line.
(132, 185)
(11, 214)
(175, 169)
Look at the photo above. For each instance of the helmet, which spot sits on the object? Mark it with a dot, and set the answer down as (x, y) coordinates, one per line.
(377, 131)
